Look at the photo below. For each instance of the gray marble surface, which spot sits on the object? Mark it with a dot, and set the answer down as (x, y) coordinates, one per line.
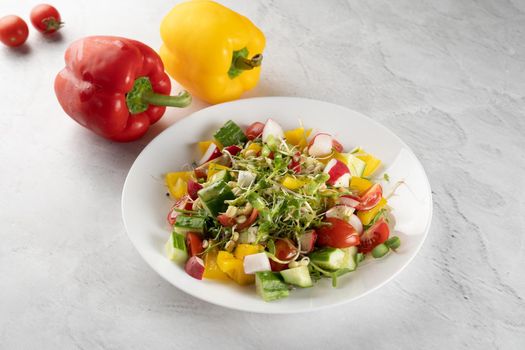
(446, 76)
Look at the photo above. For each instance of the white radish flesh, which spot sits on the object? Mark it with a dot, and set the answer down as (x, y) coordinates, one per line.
(211, 153)
(348, 201)
(356, 223)
(340, 212)
(195, 267)
(256, 262)
(321, 145)
(307, 241)
(272, 128)
(245, 179)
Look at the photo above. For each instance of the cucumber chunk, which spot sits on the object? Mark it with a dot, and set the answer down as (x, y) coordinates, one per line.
(185, 224)
(299, 276)
(328, 258)
(270, 286)
(213, 197)
(230, 134)
(349, 261)
(175, 248)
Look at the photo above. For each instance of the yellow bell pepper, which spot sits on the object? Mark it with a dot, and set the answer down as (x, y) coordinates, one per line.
(214, 168)
(359, 184)
(247, 249)
(372, 163)
(178, 183)
(292, 183)
(253, 147)
(367, 215)
(297, 137)
(212, 51)
(211, 269)
(234, 268)
(203, 145)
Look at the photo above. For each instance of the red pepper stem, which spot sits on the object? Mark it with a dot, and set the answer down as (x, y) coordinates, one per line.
(183, 99)
(244, 63)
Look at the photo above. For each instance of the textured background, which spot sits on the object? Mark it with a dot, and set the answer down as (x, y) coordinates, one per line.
(446, 76)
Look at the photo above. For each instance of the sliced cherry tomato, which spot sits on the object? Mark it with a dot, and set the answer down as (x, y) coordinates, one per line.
(370, 198)
(200, 173)
(193, 188)
(184, 203)
(194, 243)
(225, 220)
(249, 221)
(337, 146)
(339, 234)
(45, 18)
(13, 30)
(373, 236)
(254, 130)
(284, 250)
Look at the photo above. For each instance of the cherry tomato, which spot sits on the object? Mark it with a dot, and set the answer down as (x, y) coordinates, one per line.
(45, 18)
(336, 145)
(13, 30)
(370, 198)
(249, 221)
(254, 130)
(340, 234)
(375, 235)
(284, 250)
(194, 243)
(225, 220)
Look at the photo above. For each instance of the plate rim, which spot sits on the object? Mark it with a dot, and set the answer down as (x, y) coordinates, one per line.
(282, 310)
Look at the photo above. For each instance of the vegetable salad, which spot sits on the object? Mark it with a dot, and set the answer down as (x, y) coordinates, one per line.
(281, 209)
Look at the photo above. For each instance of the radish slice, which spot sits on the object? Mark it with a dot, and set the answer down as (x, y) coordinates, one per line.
(193, 188)
(272, 128)
(340, 212)
(211, 153)
(233, 149)
(356, 223)
(339, 173)
(348, 201)
(256, 262)
(321, 145)
(307, 241)
(195, 267)
(183, 203)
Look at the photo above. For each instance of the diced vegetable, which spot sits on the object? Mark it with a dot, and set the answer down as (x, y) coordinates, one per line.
(272, 130)
(245, 178)
(211, 269)
(177, 183)
(349, 261)
(255, 147)
(380, 250)
(359, 184)
(233, 149)
(342, 212)
(338, 172)
(193, 188)
(298, 276)
(222, 175)
(186, 224)
(393, 242)
(270, 286)
(355, 165)
(366, 216)
(256, 262)
(307, 240)
(242, 250)
(213, 197)
(320, 145)
(297, 137)
(195, 267)
(211, 153)
(356, 223)
(230, 134)
(234, 268)
(328, 258)
(214, 168)
(371, 162)
(292, 183)
(175, 248)
(203, 146)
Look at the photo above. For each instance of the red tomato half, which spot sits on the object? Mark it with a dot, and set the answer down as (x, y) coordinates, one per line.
(370, 198)
(194, 243)
(225, 220)
(13, 31)
(284, 250)
(375, 235)
(254, 130)
(340, 234)
(45, 18)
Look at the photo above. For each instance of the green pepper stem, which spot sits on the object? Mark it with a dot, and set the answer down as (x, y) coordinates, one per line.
(183, 99)
(244, 63)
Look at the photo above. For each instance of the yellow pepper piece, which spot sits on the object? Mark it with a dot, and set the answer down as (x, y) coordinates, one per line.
(211, 50)
(214, 168)
(203, 145)
(297, 137)
(367, 215)
(254, 147)
(211, 269)
(178, 183)
(340, 157)
(292, 183)
(372, 163)
(359, 184)
(234, 268)
(247, 249)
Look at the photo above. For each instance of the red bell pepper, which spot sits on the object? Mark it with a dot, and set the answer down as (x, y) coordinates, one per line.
(115, 87)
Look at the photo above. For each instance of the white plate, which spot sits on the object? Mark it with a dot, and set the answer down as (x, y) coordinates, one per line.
(144, 203)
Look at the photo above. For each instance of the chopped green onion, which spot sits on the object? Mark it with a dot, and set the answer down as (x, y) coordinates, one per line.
(379, 251)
